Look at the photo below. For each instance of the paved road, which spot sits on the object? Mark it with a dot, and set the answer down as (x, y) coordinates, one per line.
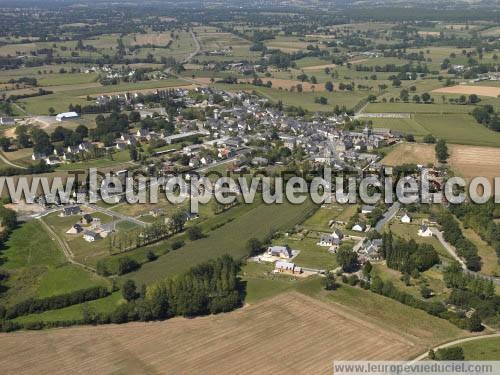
(452, 343)
(388, 216)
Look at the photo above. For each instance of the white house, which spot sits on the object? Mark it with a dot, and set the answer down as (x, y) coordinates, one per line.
(424, 231)
(90, 236)
(359, 227)
(287, 267)
(406, 218)
(67, 116)
(280, 251)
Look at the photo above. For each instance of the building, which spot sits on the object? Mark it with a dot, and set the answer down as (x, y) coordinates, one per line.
(359, 227)
(280, 251)
(75, 229)
(406, 219)
(67, 116)
(90, 236)
(287, 267)
(367, 209)
(71, 210)
(7, 121)
(328, 240)
(424, 231)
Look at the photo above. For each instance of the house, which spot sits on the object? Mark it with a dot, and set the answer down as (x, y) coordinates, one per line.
(359, 227)
(258, 161)
(38, 156)
(287, 267)
(7, 121)
(71, 210)
(328, 240)
(75, 229)
(90, 236)
(52, 160)
(424, 231)
(206, 160)
(280, 251)
(367, 209)
(337, 234)
(155, 212)
(142, 132)
(406, 218)
(370, 250)
(67, 116)
(87, 218)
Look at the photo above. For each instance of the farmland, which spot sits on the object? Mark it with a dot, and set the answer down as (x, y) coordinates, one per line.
(327, 330)
(410, 153)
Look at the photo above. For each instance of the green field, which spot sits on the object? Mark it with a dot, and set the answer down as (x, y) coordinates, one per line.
(485, 349)
(38, 268)
(229, 239)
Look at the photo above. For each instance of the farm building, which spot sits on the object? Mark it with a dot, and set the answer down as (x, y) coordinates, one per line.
(287, 267)
(67, 116)
(7, 121)
(359, 227)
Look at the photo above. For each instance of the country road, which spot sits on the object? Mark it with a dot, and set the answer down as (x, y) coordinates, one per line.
(7, 161)
(388, 216)
(455, 342)
(116, 214)
(64, 246)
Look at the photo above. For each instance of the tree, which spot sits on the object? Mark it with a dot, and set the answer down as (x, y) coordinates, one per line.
(429, 138)
(82, 130)
(134, 155)
(367, 269)
(426, 97)
(329, 86)
(450, 354)
(474, 323)
(441, 151)
(329, 281)
(134, 116)
(253, 246)
(194, 233)
(151, 256)
(52, 111)
(425, 292)
(129, 290)
(347, 259)
(5, 143)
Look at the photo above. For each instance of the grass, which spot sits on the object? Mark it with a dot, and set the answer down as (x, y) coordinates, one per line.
(75, 312)
(485, 349)
(311, 255)
(38, 268)
(229, 239)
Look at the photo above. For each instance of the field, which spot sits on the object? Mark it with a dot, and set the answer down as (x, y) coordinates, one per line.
(410, 153)
(468, 90)
(470, 161)
(485, 349)
(241, 341)
(257, 222)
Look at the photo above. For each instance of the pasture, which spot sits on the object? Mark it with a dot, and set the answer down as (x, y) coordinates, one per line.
(240, 341)
(485, 349)
(410, 153)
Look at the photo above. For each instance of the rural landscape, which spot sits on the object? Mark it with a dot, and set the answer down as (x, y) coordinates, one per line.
(268, 89)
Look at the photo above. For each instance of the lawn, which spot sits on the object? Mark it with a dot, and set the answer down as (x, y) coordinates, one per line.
(311, 255)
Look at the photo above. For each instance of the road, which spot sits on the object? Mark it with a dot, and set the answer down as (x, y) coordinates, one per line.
(449, 248)
(118, 215)
(7, 161)
(456, 342)
(388, 216)
(196, 51)
(452, 251)
(64, 246)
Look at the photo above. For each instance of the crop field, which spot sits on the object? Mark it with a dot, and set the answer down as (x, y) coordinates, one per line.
(468, 90)
(470, 161)
(240, 341)
(410, 153)
(257, 222)
(405, 125)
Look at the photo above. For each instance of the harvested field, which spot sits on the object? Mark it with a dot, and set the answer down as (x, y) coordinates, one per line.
(290, 333)
(410, 153)
(468, 90)
(473, 161)
(156, 39)
(284, 84)
(319, 67)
